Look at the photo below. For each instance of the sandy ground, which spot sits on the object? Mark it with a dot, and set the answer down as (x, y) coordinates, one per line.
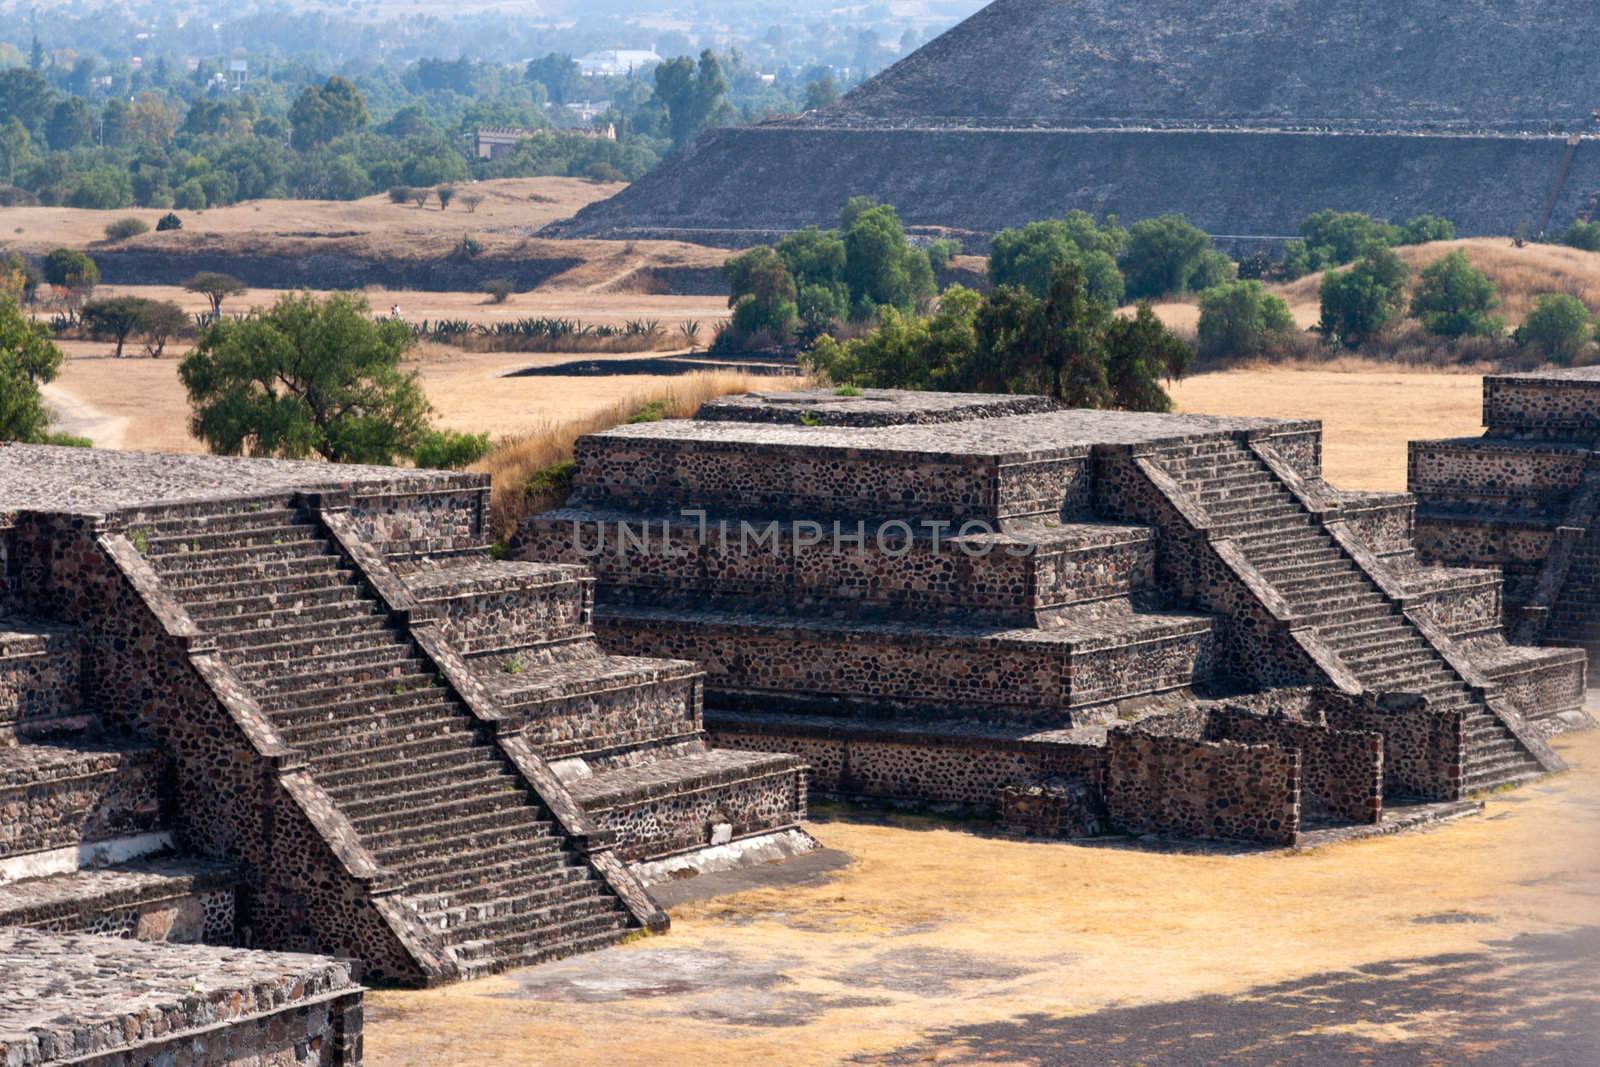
(1368, 414)
(940, 945)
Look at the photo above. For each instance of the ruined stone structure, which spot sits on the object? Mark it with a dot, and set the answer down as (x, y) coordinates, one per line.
(1524, 497)
(297, 707)
(1243, 117)
(983, 601)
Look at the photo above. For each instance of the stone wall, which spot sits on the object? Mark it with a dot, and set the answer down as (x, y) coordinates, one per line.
(964, 768)
(103, 1002)
(182, 903)
(57, 798)
(40, 675)
(1203, 789)
(1422, 747)
(403, 522)
(489, 606)
(1341, 772)
(1549, 404)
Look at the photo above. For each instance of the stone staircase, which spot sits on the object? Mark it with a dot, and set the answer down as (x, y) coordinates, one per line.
(480, 860)
(1246, 502)
(1575, 618)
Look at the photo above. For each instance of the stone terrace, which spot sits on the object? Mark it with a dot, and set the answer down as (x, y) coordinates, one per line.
(1043, 572)
(94, 1000)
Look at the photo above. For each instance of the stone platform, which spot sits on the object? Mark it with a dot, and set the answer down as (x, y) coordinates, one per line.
(965, 598)
(103, 1002)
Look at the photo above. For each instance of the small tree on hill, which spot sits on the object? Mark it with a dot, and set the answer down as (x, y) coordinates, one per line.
(1557, 328)
(445, 193)
(1027, 257)
(169, 221)
(1425, 229)
(470, 201)
(1241, 320)
(1334, 237)
(122, 229)
(420, 196)
(1359, 302)
(216, 286)
(400, 194)
(762, 296)
(1584, 235)
(28, 360)
(1456, 299)
(118, 316)
(308, 377)
(159, 322)
(70, 269)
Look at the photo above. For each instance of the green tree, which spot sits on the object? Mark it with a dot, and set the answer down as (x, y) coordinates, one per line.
(28, 359)
(450, 450)
(118, 316)
(762, 296)
(14, 145)
(561, 77)
(1557, 328)
(67, 268)
(1165, 257)
(694, 96)
(1425, 229)
(1027, 257)
(1359, 302)
(1456, 299)
(159, 322)
(1335, 237)
(307, 377)
(882, 269)
(1239, 320)
(216, 287)
(320, 115)
(816, 260)
(1584, 235)
(1139, 352)
(102, 189)
(71, 124)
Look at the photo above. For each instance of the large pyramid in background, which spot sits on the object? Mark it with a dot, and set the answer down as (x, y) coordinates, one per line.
(1245, 116)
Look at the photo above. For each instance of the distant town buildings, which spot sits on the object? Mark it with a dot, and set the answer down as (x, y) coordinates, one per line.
(617, 62)
(496, 142)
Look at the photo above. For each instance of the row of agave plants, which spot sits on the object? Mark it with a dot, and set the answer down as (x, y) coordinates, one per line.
(546, 329)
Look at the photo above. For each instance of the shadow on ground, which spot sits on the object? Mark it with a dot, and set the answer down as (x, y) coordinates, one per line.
(1525, 1002)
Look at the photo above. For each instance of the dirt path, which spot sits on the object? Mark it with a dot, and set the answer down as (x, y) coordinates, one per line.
(71, 415)
(1473, 943)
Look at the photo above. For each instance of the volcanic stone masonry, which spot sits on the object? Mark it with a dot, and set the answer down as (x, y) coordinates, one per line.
(1524, 498)
(1071, 620)
(298, 707)
(1244, 117)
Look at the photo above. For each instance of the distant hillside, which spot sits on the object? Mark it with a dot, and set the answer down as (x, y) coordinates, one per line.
(1243, 116)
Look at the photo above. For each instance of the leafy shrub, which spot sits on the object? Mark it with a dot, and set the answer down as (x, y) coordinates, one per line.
(1334, 237)
(467, 248)
(445, 193)
(1557, 328)
(941, 252)
(169, 221)
(449, 450)
(1456, 299)
(601, 171)
(1359, 302)
(499, 289)
(1240, 320)
(122, 229)
(1027, 257)
(1167, 256)
(71, 269)
(399, 194)
(1584, 235)
(1427, 228)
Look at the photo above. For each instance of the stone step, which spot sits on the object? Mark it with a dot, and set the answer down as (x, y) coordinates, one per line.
(333, 670)
(1320, 565)
(1500, 778)
(1359, 635)
(463, 826)
(259, 605)
(1358, 645)
(241, 519)
(377, 699)
(1485, 750)
(225, 559)
(1310, 545)
(1333, 582)
(487, 887)
(1254, 489)
(492, 877)
(1420, 671)
(208, 511)
(319, 653)
(518, 856)
(1308, 601)
(492, 958)
(251, 578)
(360, 799)
(588, 911)
(448, 727)
(305, 699)
(1380, 658)
(447, 911)
(1276, 505)
(390, 750)
(1217, 465)
(335, 730)
(1338, 619)
(400, 811)
(354, 621)
(236, 540)
(405, 774)
(1253, 527)
(291, 616)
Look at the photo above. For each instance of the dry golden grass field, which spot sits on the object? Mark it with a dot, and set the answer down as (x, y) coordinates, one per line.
(939, 945)
(512, 209)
